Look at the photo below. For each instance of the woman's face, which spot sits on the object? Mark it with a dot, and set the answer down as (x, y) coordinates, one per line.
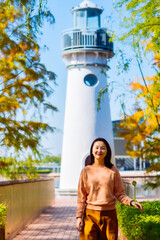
(99, 150)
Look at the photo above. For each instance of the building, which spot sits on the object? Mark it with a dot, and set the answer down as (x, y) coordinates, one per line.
(123, 161)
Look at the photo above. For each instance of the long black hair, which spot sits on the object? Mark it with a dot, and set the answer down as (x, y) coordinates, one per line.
(107, 159)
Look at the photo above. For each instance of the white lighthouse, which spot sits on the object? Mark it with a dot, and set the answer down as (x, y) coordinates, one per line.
(86, 49)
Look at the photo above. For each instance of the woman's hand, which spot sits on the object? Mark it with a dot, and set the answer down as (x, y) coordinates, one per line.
(79, 224)
(137, 205)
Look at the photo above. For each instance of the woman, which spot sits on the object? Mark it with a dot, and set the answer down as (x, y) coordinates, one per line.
(99, 184)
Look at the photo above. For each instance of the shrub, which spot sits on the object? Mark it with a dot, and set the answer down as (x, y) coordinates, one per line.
(140, 225)
(48, 158)
(3, 214)
(46, 171)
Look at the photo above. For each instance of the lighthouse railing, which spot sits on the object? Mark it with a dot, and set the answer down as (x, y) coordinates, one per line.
(86, 38)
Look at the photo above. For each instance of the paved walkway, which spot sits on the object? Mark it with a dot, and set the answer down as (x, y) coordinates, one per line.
(56, 222)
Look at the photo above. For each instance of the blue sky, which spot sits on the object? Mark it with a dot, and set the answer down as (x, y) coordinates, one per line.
(51, 37)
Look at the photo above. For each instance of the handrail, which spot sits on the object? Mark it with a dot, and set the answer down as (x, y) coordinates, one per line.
(12, 182)
(85, 29)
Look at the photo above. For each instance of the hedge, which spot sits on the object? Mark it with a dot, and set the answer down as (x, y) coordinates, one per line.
(41, 171)
(140, 225)
(3, 214)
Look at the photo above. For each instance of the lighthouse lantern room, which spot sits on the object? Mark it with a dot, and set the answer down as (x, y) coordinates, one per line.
(86, 50)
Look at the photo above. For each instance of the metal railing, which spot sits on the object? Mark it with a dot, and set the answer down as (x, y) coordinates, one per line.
(97, 38)
(137, 182)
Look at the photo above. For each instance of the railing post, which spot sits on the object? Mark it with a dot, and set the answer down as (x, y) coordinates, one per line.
(134, 183)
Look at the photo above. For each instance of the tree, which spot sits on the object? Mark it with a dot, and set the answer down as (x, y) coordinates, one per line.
(142, 128)
(50, 159)
(14, 169)
(141, 22)
(25, 83)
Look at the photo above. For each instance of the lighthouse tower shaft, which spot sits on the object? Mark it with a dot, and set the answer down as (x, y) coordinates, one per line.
(85, 52)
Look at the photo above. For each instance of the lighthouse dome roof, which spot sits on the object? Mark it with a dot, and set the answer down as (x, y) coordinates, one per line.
(87, 4)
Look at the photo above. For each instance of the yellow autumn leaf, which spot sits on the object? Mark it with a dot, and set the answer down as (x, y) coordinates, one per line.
(24, 112)
(137, 86)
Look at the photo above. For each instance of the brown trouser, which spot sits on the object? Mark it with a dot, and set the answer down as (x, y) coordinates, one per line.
(100, 225)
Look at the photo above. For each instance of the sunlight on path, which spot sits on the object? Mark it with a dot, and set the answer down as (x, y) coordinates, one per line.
(56, 222)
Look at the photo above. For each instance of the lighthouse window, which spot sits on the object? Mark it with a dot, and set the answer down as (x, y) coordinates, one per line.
(93, 19)
(80, 19)
(90, 80)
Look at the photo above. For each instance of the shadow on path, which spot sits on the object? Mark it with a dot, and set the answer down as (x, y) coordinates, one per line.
(56, 222)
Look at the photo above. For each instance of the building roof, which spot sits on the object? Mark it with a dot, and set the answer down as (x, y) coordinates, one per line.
(87, 4)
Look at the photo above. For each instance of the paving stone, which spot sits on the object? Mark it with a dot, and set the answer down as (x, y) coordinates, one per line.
(57, 222)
